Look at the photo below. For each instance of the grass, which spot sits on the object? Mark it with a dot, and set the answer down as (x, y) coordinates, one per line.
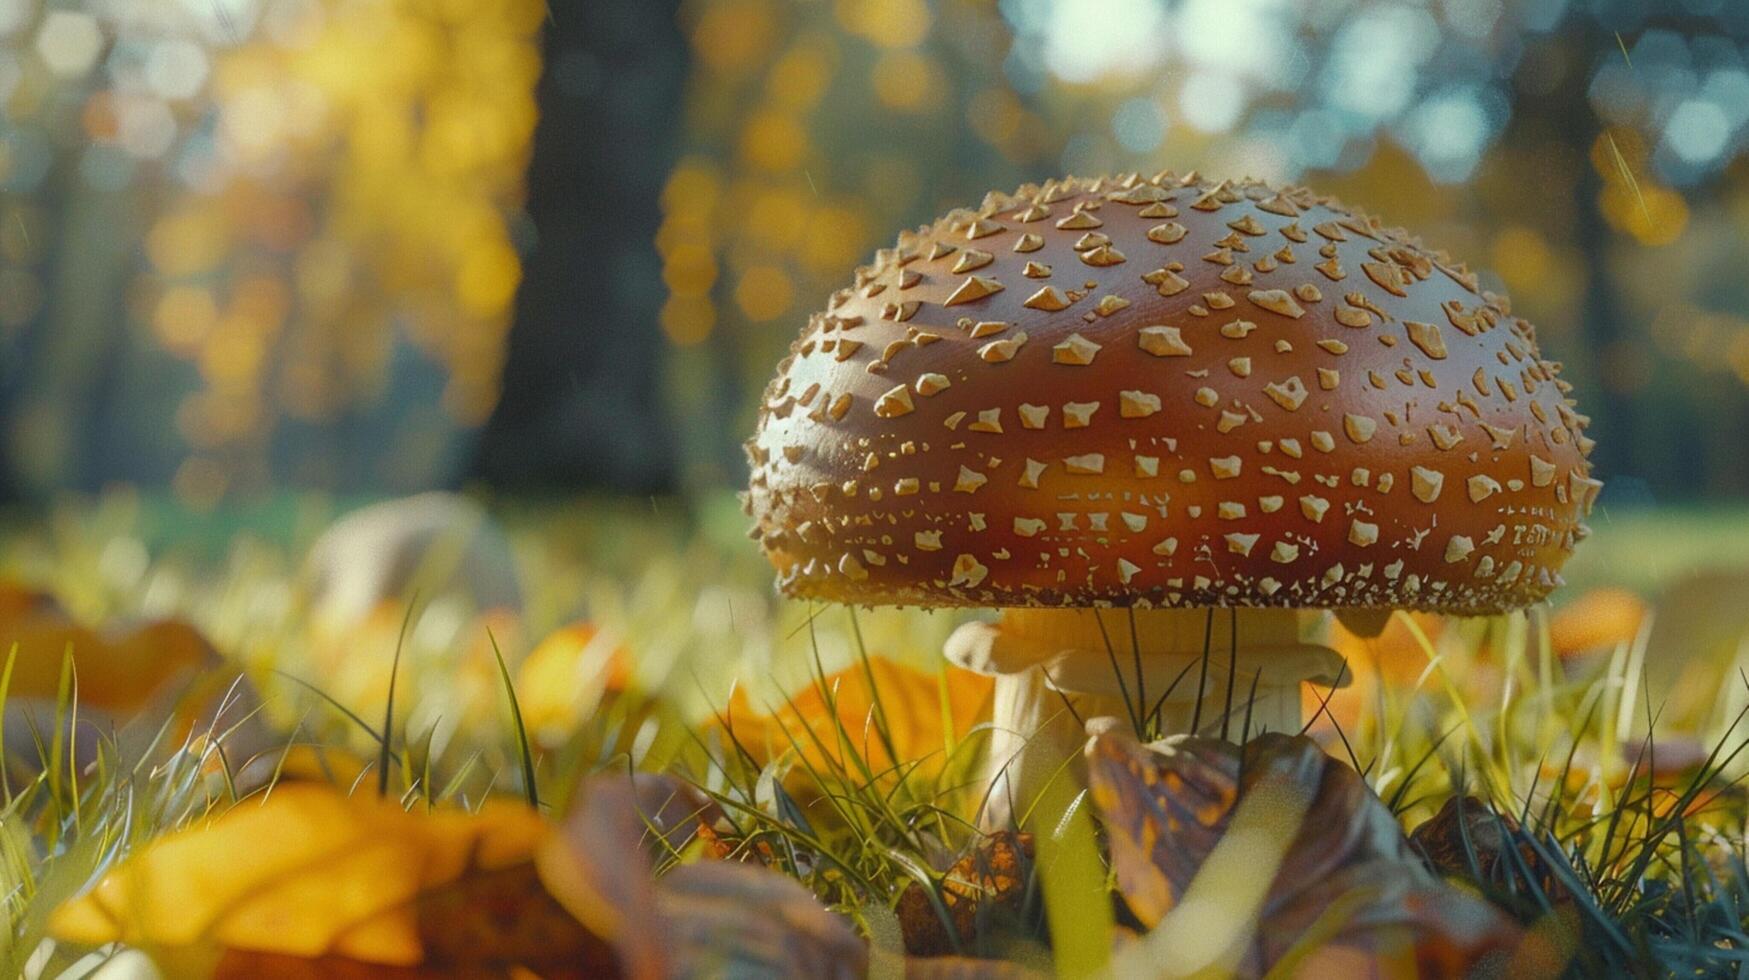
(1640, 871)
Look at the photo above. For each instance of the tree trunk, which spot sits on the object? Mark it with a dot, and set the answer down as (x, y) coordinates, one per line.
(582, 403)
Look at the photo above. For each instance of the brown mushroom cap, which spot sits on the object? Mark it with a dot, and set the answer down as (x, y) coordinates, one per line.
(1173, 392)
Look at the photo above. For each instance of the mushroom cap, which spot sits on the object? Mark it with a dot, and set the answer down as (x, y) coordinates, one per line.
(1174, 392)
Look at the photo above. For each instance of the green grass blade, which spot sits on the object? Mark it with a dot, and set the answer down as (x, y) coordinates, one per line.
(522, 745)
(389, 709)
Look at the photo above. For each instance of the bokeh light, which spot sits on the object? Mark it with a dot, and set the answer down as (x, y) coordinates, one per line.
(316, 186)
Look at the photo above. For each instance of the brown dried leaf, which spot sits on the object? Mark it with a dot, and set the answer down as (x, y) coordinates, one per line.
(1346, 894)
(986, 886)
(718, 918)
(1467, 836)
(705, 919)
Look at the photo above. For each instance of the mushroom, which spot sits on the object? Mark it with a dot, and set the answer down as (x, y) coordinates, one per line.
(1109, 407)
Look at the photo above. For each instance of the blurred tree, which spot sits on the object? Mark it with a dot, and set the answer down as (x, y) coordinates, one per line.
(253, 244)
(1618, 206)
(813, 132)
(581, 402)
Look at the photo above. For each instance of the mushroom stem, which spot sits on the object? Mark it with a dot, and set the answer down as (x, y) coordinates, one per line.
(1163, 671)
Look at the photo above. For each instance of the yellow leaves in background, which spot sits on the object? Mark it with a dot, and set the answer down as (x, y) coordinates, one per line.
(189, 240)
(764, 292)
(734, 36)
(1630, 200)
(1597, 621)
(364, 160)
(886, 23)
(926, 714)
(1546, 275)
(906, 81)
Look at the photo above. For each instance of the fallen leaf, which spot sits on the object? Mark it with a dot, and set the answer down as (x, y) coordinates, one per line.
(922, 729)
(725, 918)
(447, 665)
(1276, 855)
(308, 873)
(120, 669)
(567, 676)
(981, 891)
(303, 762)
(137, 682)
(712, 918)
(1469, 840)
(1598, 620)
(16, 601)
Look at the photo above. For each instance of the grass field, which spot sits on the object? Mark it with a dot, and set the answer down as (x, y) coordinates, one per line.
(831, 744)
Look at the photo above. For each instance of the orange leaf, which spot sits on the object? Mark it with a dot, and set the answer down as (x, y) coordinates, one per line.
(132, 681)
(17, 601)
(910, 699)
(1393, 658)
(119, 670)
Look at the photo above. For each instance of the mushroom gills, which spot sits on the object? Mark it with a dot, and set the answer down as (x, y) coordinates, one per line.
(1046, 660)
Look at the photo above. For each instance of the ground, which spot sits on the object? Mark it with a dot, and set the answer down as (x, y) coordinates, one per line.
(1597, 739)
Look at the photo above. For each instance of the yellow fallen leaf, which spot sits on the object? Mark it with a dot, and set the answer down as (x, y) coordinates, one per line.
(912, 701)
(309, 872)
(447, 664)
(301, 762)
(567, 676)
